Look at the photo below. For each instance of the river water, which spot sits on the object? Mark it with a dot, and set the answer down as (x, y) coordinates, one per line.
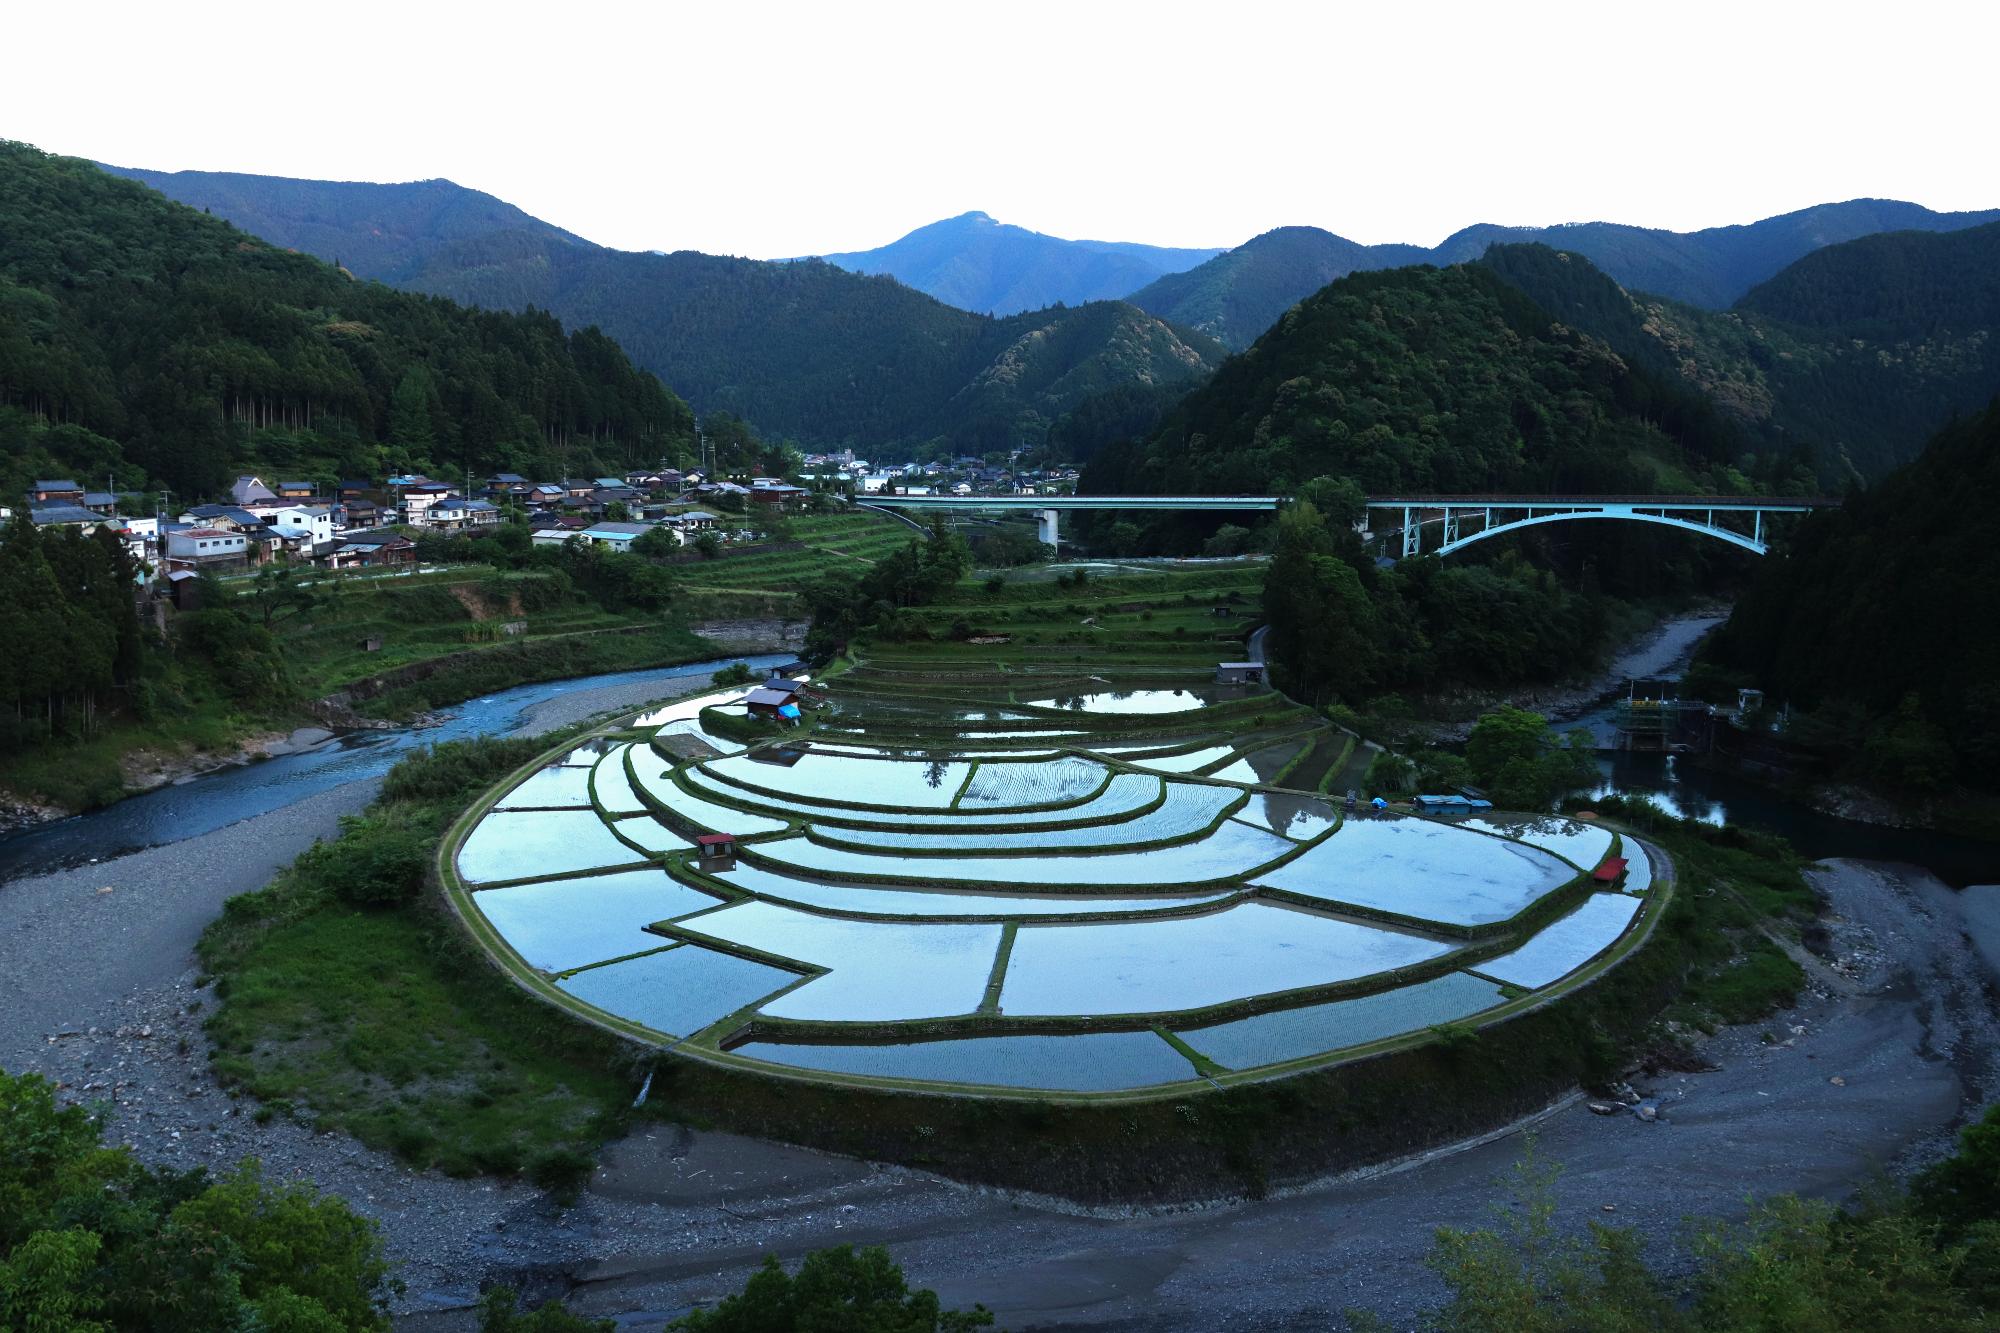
(202, 804)
(1690, 790)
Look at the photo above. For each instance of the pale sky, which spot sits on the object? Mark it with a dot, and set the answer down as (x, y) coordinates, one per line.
(774, 129)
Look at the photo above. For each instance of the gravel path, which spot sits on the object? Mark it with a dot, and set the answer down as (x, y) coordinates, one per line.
(1894, 1041)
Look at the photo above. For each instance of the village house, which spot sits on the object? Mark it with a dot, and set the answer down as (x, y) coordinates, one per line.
(294, 491)
(419, 499)
(555, 529)
(456, 514)
(58, 491)
(66, 516)
(206, 548)
(778, 493)
(309, 525)
(617, 536)
(246, 491)
(230, 518)
(376, 552)
(502, 487)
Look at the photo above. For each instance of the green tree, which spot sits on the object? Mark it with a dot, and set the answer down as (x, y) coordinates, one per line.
(46, 1287)
(1504, 736)
(500, 1312)
(836, 1290)
(278, 592)
(410, 430)
(656, 543)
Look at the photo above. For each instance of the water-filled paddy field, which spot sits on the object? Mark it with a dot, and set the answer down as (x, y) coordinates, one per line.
(1138, 904)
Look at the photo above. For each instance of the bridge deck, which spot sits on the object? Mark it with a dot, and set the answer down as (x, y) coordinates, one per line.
(1215, 502)
(1731, 503)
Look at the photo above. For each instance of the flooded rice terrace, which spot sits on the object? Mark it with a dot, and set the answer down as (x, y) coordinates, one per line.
(1079, 888)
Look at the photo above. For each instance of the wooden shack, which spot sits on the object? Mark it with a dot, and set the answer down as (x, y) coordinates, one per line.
(780, 702)
(717, 851)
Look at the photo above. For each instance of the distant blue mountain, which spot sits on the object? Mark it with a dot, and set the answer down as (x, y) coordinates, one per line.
(1239, 294)
(975, 263)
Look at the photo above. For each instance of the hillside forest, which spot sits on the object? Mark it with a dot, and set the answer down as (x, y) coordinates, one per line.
(152, 347)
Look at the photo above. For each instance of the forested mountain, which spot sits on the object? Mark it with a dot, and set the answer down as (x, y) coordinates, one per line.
(996, 268)
(1884, 620)
(1435, 380)
(1858, 351)
(142, 340)
(802, 350)
(1239, 294)
(376, 231)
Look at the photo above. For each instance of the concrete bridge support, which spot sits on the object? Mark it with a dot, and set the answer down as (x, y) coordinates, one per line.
(1046, 528)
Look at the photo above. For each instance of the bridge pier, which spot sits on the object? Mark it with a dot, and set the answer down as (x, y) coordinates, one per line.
(1046, 529)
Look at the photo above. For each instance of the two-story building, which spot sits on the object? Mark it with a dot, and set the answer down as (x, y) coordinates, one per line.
(197, 549)
(311, 525)
(457, 513)
(419, 498)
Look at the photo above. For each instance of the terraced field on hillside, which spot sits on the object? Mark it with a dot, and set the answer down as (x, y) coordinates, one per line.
(998, 864)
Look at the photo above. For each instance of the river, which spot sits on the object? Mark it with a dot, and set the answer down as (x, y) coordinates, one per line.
(1691, 790)
(202, 804)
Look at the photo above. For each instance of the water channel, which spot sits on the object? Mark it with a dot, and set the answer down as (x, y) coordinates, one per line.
(1685, 787)
(199, 805)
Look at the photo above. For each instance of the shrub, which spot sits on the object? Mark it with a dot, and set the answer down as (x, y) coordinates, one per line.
(375, 864)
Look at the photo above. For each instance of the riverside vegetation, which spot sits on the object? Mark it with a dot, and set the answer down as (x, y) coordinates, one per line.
(257, 650)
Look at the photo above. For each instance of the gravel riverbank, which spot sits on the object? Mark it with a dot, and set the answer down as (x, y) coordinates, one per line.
(1892, 1044)
(1666, 646)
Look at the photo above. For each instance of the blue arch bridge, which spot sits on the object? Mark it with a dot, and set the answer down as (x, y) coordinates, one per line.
(1459, 520)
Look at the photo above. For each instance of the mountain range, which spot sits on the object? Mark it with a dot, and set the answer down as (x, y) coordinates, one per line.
(1240, 293)
(1820, 335)
(996, 268)
(804, 350)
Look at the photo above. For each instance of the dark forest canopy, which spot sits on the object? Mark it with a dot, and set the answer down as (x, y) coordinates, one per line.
(1884, 619)
(1854, 355)
(143, 341)
(1437, 380)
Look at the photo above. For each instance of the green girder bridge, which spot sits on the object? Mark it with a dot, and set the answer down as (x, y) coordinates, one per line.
(1460, 519)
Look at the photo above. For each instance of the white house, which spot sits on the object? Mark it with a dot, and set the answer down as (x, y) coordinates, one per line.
(194, 548)
(454, 512)
(310, 524)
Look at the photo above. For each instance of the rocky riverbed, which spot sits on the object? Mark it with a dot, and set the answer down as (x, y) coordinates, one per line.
(1890, 1047)
(1664, 647)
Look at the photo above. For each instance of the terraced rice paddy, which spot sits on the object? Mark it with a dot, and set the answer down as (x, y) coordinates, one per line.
(1146, 900)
